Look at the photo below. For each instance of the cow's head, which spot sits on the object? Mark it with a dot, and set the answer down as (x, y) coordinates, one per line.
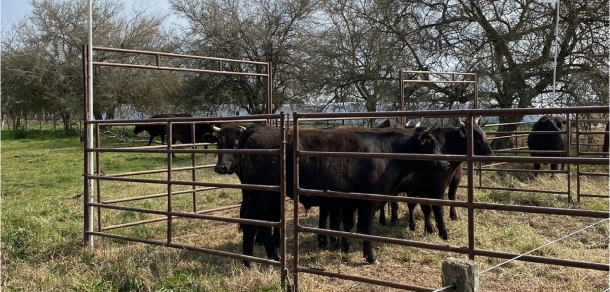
(228, 138)
(423, 142)
(138, 129)
(481, 146)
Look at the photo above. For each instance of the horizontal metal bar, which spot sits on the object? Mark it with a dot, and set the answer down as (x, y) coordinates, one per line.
(363, 279)
(154, 67)
(156, 195)
(520, 190)
(591, 132)
(152, 53)
(523, 170)
(404, 156)
(163, 170)
(543, 260)
(438, 81)
(457, 112)
(187, 247)
(594, 196)
(172, 150)
(438, 72)
(188, 183)
(188, 215)
(375, 238)
(252, 118)
(164, 218)
(382, 198)
(592, 173)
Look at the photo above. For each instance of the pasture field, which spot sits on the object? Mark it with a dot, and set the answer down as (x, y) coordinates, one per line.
(42, 223)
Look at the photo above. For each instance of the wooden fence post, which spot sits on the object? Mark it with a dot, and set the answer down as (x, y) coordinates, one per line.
(463, 274)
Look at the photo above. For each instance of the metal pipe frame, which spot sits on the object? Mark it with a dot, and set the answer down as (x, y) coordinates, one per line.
(470, 204)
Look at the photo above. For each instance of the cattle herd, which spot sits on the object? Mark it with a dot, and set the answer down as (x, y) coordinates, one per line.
(415, 178)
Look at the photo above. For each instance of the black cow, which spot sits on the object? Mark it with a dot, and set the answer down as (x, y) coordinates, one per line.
(547, 141)
(157, 130)
(432, 185)
(381, 176)
(180, 132)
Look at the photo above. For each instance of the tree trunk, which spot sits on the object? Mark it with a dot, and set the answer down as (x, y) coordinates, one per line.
(506, 142)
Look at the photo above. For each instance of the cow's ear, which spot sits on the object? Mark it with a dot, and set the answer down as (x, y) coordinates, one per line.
(242, 129)
(463, 132)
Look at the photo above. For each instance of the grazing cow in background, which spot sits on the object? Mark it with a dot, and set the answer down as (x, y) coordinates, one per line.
(606, 140)
(157, 130)
(180, 132)
(376, 176)
(550, 141)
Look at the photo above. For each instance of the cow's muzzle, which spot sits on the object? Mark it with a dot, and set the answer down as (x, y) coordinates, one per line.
(221, 169)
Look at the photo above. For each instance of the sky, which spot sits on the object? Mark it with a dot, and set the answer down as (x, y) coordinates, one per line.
(15, 10)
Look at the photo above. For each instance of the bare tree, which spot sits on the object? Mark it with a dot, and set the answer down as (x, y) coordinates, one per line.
(261, 30)
(42, 57)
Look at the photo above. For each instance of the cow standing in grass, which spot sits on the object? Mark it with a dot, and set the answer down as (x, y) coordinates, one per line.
(376, 176)
(182, 133)
(547, 141)
(157, 130)
(432, 185)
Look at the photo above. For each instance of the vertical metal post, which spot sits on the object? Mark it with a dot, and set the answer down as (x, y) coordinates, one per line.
(283, 198)
(401, 83)
(88, 191)
(87, 185)
(469, 153)
(295, 157)
(569, 142)
(269, 91)
(577, 137)
(169, 185)
(193, 164)
(97, 181)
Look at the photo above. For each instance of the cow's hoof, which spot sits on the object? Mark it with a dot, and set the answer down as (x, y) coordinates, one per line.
(247, 264)
(444, 236)
(372, 260)
(411, 227)
(322, 241)
(453, 217)
(429, 229)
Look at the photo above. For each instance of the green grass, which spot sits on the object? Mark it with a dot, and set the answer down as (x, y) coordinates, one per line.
(42, 227)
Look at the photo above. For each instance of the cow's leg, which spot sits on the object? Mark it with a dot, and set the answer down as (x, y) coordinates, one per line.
(261, 206)
(338, 216)
(453, 186)
(150, 139)
(249, 231)
(427, 225)
(440, 222)
(553, 167)
(382, 213)
(162, 138)
(394, 210)
(411, 216)
(277, 240)
(366, 213)
(536, 167)
(323, 239)
(348, 225)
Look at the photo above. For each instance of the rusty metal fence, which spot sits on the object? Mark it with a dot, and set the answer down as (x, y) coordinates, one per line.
(470, 204)
(100, 203)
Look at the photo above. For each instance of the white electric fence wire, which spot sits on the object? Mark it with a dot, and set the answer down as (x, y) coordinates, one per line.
(545, 245)
(442, 289)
